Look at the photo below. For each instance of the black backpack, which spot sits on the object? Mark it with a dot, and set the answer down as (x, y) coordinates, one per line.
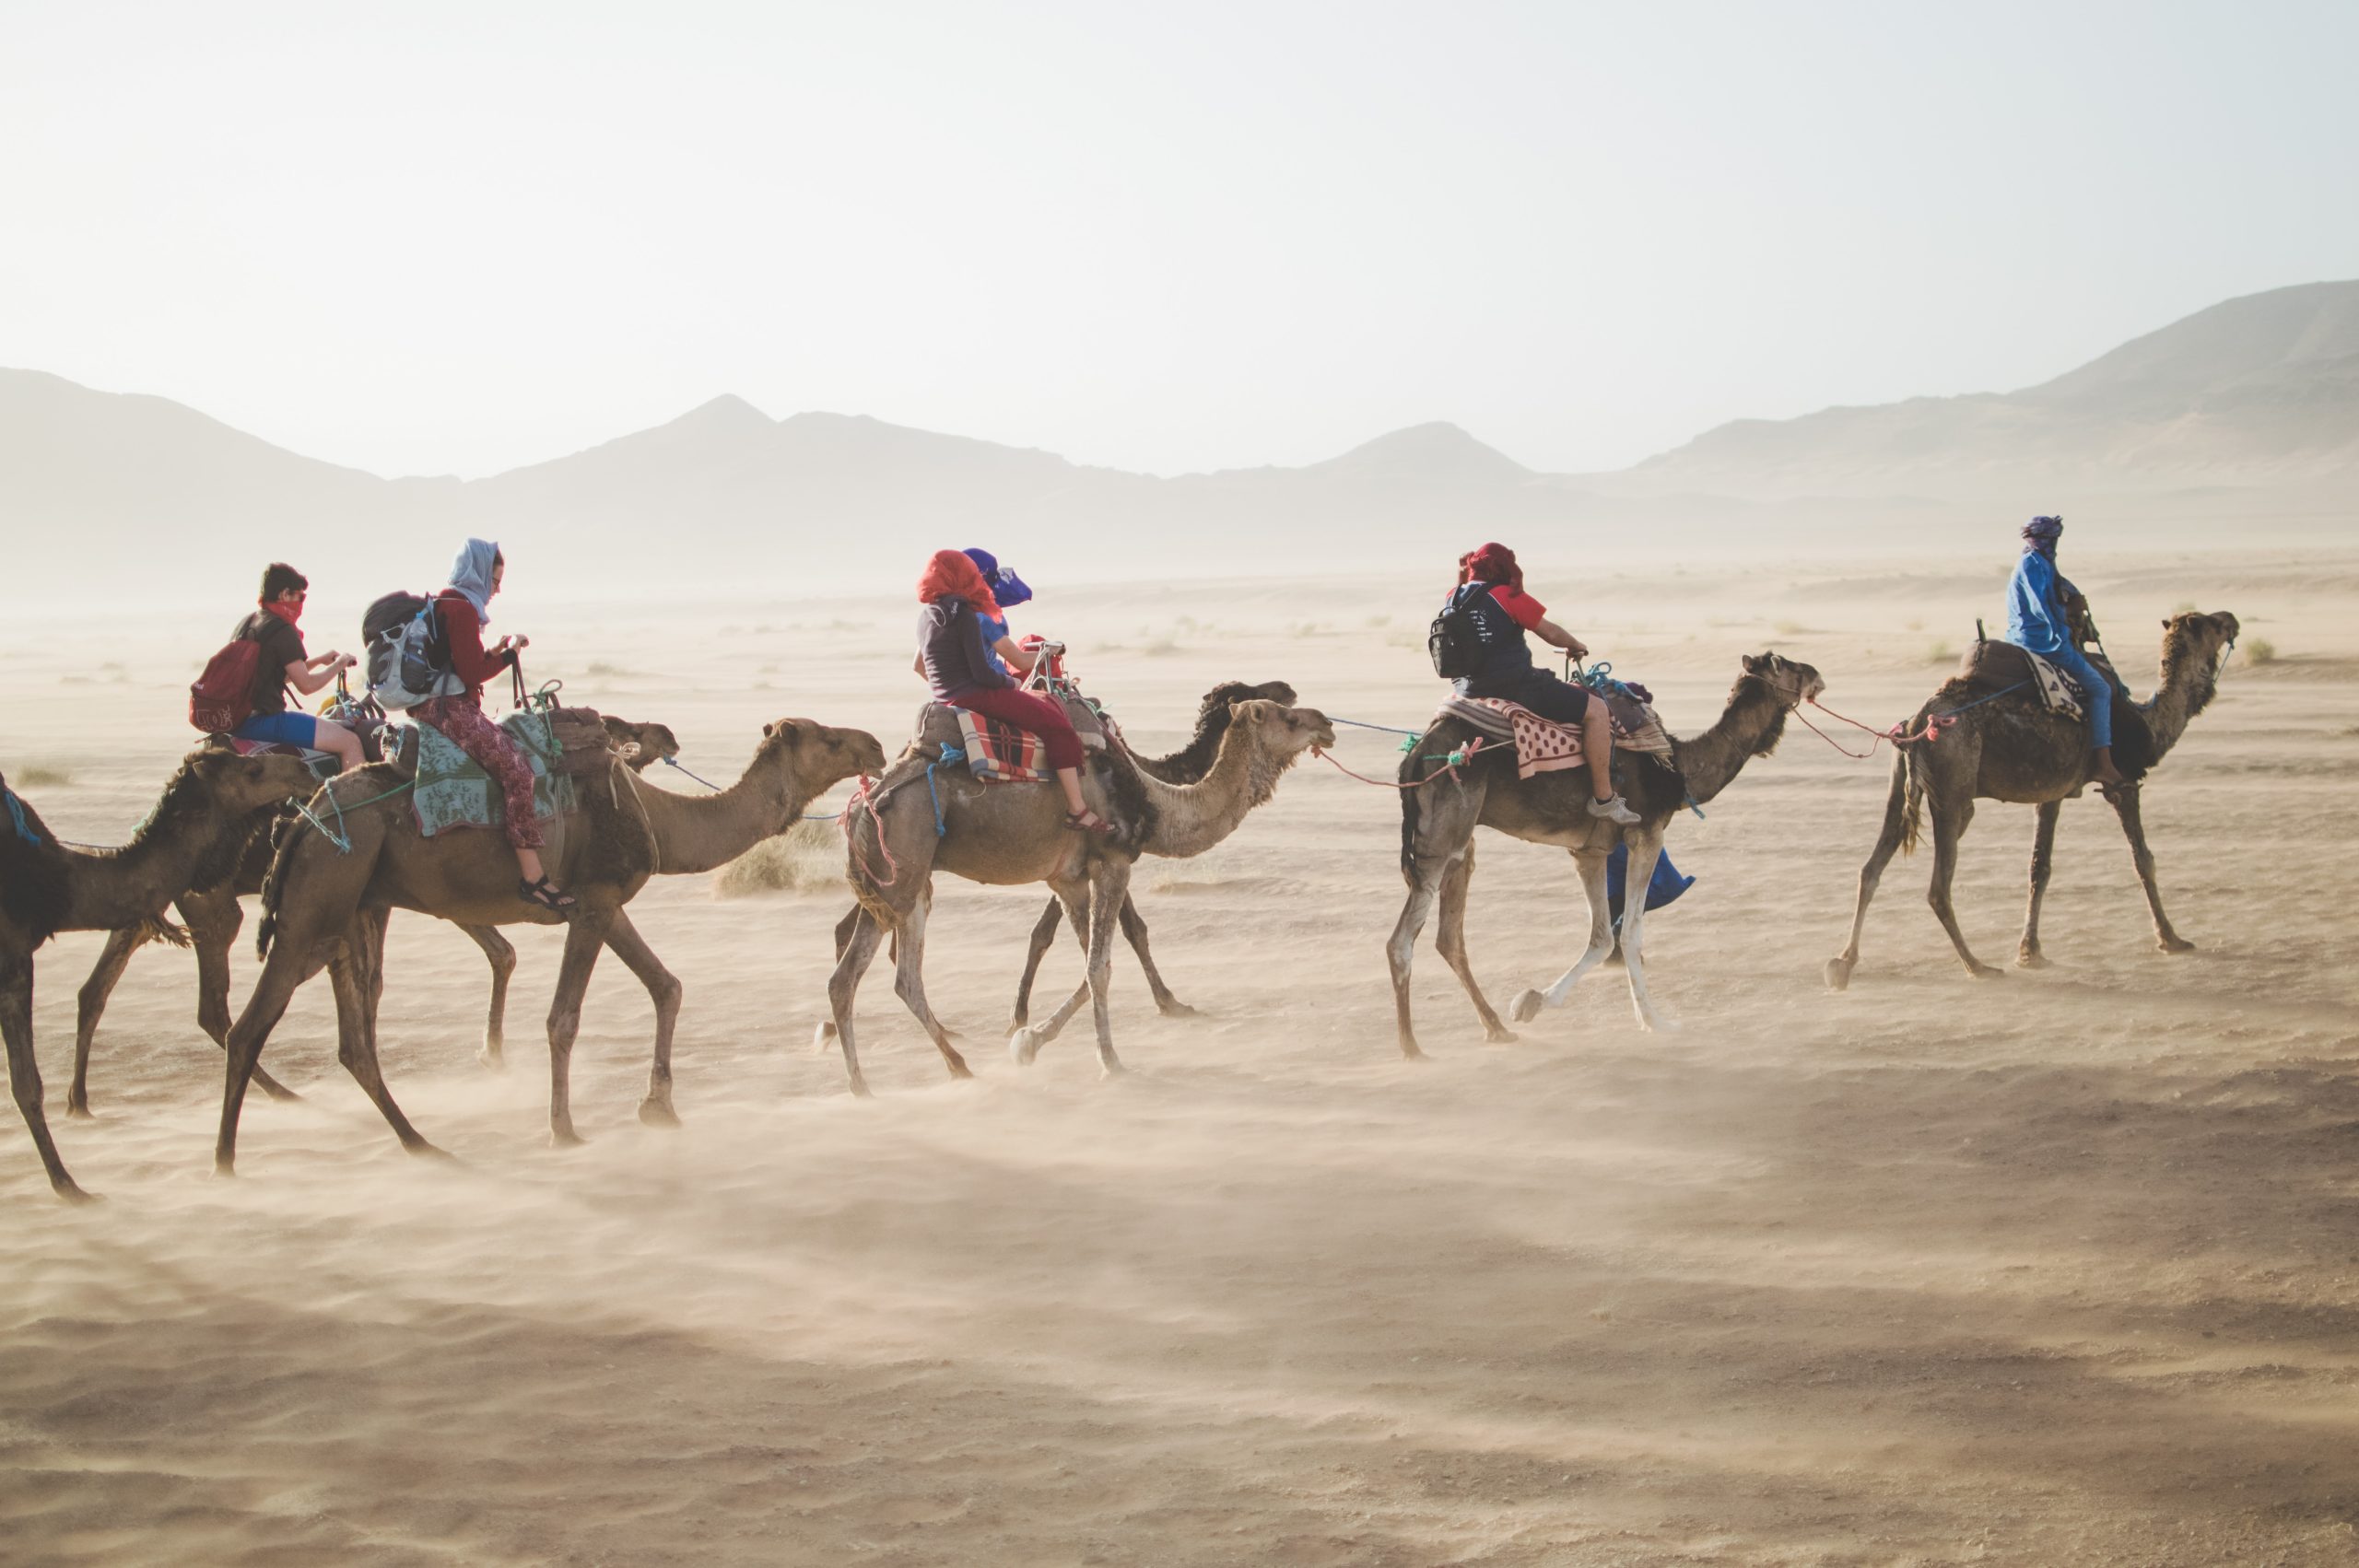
(1455, 640)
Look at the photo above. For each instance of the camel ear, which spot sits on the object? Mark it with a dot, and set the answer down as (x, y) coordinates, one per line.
(216, 742)
(1236, 711)
(1752, 664)
(2166, 623)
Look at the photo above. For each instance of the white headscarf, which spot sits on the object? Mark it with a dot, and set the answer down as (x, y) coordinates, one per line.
(470, 575)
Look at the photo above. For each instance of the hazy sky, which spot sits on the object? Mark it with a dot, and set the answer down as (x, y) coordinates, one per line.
(435, 239)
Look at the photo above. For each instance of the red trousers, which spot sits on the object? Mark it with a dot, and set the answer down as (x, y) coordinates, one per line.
(1029, 710)
(463, 724)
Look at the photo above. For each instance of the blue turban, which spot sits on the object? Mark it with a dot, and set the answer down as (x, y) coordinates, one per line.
(2041, 533)
(1005, 586)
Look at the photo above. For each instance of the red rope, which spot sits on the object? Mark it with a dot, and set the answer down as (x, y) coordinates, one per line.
(860, 797)
(1450, 772)
(1898, 735)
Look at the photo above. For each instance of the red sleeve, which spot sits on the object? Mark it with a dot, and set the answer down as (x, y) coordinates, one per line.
(464, 632)
(1521, 607)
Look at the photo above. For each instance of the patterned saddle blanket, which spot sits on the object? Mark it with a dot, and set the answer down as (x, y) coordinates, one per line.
(453, 791)
(1992, 667)
(1543, 745)
(999, 753)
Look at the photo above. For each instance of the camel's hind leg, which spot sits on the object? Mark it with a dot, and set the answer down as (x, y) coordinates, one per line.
(2042, 860)
(585, 933)
(2125, 806)
(500, 953)
(1601, 946)
(1888, 842)
(1950, 818)
(1135, 932)
(1643, 856)
(214, 919)
(860, 947)
(908, 983)
(1450, 941)
(24, 1069)
(1109, 885)
(90, 1006)
(663, 990)
(1044, 936)
(353, 976)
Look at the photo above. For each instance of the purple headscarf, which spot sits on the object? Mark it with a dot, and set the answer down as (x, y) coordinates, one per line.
(2041, 533)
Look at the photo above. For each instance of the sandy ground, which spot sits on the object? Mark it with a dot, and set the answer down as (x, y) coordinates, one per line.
(2057, 1269)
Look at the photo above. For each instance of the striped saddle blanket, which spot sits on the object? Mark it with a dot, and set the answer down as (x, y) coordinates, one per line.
(1000, 753)
(1543, 745)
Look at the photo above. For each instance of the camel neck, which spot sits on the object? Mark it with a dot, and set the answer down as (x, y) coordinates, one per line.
(699, 833)
(2189, 684)
(1748, 727)
(1191, 818)
(183, 837)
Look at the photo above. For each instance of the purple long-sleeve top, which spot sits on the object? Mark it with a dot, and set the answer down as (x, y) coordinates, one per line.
(950, 644)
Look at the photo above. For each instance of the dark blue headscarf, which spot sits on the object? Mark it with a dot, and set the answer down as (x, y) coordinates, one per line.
(1006, 587)
(2041, 533)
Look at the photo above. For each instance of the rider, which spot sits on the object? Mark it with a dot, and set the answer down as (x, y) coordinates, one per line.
(2038, 619)
(957, 662)
(283, 664)
(1008, 590)
(1491, 588)
(463, 609)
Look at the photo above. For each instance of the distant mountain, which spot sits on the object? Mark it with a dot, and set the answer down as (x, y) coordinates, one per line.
(2248, 408)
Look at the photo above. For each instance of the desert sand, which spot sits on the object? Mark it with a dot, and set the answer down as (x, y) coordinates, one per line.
(2055, 1268)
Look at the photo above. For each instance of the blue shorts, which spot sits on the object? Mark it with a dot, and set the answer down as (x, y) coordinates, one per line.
(289, 729)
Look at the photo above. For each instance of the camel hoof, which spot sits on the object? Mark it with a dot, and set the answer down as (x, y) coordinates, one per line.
(823, 1040)
(959, 1070)
(491, 1061)
(426, 1150)
(566, 1138)
(1982, 971)
(1178, 1010)
(1500, 1037)
(860, 1088)
(79, 1110)
(2030, 961)
(1024, 1045)
(2176, 945)
(658, 1113)
(70, 1192)
(1111, 1068)
(1838, 974)
(278, 1091)
(1526, 1007)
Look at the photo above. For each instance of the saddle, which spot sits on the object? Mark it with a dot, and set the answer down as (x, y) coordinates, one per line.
(561, 745)
(1000, 753)
(322, 765)
(1990, 667)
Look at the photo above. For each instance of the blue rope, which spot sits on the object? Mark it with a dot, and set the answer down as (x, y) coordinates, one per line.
(17, 816)
(949, 753)
(1388, 729)
(675, 762)
(1980, 700)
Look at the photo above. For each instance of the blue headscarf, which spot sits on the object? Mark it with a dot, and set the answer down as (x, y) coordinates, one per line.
(1006, 587)
(2041, 533)
(471, 574)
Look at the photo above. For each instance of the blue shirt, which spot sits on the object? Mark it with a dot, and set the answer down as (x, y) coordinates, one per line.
(2036, 616)
(993, 630)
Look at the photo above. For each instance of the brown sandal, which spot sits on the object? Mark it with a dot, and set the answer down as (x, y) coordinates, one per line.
(1088, 821)
(541, 896)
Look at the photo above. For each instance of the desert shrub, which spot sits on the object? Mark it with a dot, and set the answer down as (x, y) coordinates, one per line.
(806, 858)
(1940, 653)
(2260, 650)
(40, 776)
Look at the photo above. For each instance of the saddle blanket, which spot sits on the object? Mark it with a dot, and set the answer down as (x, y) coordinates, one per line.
(1543, 745)
(1000, 753)
(2059, 690)
(1992, 668)
(322, 765)
(452, 791)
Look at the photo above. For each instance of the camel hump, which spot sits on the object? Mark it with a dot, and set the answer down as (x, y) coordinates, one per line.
(583, 741)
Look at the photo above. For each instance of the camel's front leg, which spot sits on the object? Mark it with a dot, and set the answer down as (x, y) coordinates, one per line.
(1025, 1043)
(1600, 941)
(290, 965)
(1450, 941)
(2125, 806)
(1109, 885)
(585, 934)
(24, 1068)
(825, 1035)
(500, 953)
(908, 983)
(1135, 932)
(1426, 874)
(353, 976)
(1639, 876)
(214, 919)
(1950, 822)
(662, 990)
(860, 945)
(1888, 842)
(2043, 860)
(90, 1006)
(1044, 936)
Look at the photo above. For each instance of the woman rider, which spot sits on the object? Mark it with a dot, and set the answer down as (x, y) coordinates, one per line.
(283, 663)
(957, 662)
(463, 609)
(2039, 620)
(1490, 586)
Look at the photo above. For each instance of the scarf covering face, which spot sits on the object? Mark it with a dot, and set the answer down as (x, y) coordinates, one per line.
(949, 573)
(1005, 586)
(1492, 563)
(470, 575)
(291, 613)
(2041, 533)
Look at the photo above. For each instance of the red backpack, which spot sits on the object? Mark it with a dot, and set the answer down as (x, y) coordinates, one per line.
(223, 697)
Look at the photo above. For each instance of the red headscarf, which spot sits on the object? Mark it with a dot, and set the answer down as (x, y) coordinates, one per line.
(291, 613)
(1492, 563)
(950, 572)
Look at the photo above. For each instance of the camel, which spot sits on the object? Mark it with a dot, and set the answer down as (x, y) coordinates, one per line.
(1013, 833)
(1438, 819)
(211, 917)
(197, 829)
(2012, 748)
(322, 900)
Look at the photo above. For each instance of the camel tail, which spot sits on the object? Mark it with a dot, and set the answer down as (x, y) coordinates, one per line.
(1908, 798)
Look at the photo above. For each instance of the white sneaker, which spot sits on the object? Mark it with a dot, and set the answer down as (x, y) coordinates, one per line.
(1614, 810)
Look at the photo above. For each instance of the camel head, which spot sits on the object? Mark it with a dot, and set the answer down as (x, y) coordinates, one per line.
(1793, 681)
(818, 756)
(640, 744)
(1229, 694)
(2195, 640)
(1280, 732)
(238, 785)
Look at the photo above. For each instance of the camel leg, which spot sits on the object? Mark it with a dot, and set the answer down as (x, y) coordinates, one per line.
(1896, 808)
(2043, 859)
(2125, 806)
(1950, 822)
(213, 921)
(824, 1035)
(908, 984)
(1025, 1044)
(585, 933)
(353, 976)
(1424, 884)
(1600, 942)
(1450, 941)
(1135, 932)
(1044, 936)
(90, 1006)
(24, 1069)
(663, 990)
(860, 947)
(1108, 887)
(501, 954)
(1643, 856)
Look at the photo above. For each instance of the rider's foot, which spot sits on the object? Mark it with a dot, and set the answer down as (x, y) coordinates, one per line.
(1088, 821)
(1613, 809)
(539, 894)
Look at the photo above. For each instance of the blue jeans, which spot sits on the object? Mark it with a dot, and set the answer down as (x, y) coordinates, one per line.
(2096, 692)
(290, 728)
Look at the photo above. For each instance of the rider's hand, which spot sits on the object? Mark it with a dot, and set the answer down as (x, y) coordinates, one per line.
(519, 643)
(1578, 649)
